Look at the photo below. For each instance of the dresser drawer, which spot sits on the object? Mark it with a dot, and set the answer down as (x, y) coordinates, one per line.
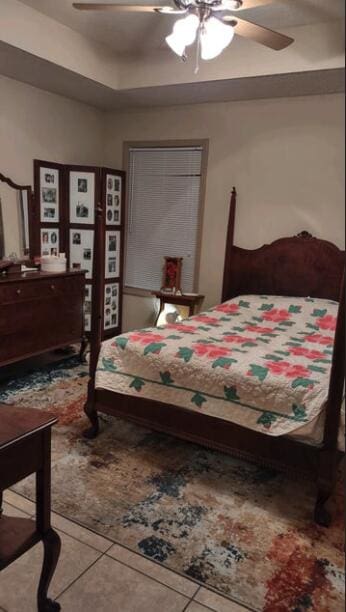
(40, 313)
(39, 325)
(40, 289)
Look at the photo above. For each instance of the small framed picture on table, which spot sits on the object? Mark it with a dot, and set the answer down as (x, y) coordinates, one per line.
(172, 275)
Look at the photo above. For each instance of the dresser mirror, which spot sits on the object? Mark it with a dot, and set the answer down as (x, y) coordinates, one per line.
(15, 203)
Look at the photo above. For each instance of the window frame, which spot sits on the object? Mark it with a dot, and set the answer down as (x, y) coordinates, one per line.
(164, 144)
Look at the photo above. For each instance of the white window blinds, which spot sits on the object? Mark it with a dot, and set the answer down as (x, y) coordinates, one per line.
(163, 214)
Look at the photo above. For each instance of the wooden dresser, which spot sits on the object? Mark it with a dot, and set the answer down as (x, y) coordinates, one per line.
(40, 312)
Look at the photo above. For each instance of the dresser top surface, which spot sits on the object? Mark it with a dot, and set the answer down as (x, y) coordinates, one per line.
(30, 276)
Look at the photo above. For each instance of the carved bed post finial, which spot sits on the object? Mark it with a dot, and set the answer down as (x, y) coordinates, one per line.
(305, 235)
(229, 244)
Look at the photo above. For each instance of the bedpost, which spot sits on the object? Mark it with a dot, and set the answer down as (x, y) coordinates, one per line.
(229, 246)
(96, 323)
(327, 469)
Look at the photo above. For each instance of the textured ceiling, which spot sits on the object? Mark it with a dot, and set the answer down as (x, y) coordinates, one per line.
(129, 33)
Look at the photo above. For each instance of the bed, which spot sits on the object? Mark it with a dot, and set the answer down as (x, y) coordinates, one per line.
(260, 375)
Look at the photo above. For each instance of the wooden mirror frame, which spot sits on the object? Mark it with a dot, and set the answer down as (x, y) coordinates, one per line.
(31, 216)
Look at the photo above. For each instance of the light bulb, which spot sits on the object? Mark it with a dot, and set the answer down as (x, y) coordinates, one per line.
(215, 37)
(183, 34)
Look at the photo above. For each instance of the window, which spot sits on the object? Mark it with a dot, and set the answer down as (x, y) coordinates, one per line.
(164, 213)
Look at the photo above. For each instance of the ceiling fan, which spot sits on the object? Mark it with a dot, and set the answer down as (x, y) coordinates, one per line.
(209, 21)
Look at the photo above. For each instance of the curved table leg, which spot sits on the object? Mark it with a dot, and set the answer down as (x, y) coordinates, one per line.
(52, 547)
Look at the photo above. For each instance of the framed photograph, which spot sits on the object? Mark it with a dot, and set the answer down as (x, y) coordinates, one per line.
(76, 238)
(172, 274)
(113, 199)
(81, 250)
(49, 195)
(82, 197)
(49, 241)
(111, 306)
(112, 255)
(82, 185)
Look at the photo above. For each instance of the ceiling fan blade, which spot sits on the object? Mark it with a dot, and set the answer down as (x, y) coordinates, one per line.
(170, 10)
(120, 8)
(262, 35)
(249, 4)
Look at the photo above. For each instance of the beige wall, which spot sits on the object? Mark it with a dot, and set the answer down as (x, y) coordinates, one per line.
(38, 124)
(285, 157)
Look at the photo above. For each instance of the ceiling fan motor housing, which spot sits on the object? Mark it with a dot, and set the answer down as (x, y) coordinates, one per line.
(231, 5)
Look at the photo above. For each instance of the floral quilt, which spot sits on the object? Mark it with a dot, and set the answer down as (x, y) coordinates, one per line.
(262, 362)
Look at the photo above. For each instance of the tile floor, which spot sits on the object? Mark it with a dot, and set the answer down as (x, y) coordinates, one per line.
(95, 575)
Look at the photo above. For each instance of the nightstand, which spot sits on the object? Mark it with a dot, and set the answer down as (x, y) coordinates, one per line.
(185, 305)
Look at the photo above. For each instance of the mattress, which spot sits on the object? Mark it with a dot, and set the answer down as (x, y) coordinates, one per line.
(262, 362)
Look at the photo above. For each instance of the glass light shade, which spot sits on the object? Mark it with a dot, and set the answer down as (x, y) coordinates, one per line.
(183, 34)
(231, 5)
(215, 37)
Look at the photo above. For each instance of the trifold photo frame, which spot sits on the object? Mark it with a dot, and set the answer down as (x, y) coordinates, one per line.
(66, 197)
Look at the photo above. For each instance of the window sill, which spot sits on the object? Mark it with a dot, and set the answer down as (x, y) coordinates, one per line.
(138, 292)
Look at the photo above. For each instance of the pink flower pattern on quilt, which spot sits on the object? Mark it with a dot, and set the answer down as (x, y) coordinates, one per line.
(320, 339)
(290, 370)
(236, 339)
(301, 351)
(146, 337)
(277, 315)
(227, 308)
(211, 351)
(327, 322)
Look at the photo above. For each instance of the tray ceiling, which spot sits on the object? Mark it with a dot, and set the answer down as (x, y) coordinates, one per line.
(129, 33)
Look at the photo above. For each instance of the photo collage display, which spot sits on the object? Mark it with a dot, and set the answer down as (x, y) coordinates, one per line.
(81, 249)
(112, 258)
(82, 197)
(49, 242)
(49, 195)
(113, 200)
(87, 308)
(111, 306)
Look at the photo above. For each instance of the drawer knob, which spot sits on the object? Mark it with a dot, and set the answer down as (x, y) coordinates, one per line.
(19, 291)
(52, 287)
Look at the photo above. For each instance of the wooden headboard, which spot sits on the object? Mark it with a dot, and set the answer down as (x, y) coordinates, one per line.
(299, 266)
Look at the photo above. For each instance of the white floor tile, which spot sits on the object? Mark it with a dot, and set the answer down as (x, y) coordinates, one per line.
(217, 602)
(154, 570)
(19, 581)
(109, 586)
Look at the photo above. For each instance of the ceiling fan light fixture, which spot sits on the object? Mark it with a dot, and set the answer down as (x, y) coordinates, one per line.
(231, 5)
(183, 34)
(215, 36)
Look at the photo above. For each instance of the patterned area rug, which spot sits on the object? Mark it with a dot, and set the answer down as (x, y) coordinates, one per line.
(240, 529)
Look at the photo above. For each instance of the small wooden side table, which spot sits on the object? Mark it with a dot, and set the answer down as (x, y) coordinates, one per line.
(193, 301)
(25, 448)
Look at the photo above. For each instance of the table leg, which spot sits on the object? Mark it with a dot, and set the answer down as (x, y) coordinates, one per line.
(52, 547)
(162, 306)
(50, 538)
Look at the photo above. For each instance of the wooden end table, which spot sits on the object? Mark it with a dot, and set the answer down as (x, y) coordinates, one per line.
(25, 448)
(193, 301)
